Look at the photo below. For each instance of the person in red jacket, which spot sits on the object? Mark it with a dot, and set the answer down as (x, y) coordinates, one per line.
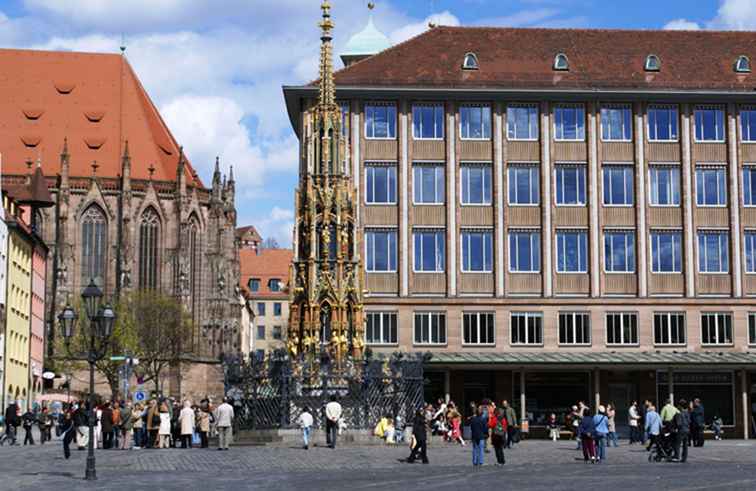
(498, 432)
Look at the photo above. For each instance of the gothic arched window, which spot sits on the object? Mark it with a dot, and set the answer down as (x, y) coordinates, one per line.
(194, 266)
(149, 238)
(94, 246)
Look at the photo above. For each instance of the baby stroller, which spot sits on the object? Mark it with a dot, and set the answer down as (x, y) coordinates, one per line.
(664, 448)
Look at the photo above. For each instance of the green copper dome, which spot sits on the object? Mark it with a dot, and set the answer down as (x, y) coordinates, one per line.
(367, 42)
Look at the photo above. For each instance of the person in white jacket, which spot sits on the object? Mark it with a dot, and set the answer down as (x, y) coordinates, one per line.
(224, 417)
(186, 421)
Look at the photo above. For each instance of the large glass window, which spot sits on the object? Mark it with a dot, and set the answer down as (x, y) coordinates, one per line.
(716, 328)
(748, 124)
(478, 328)
(475, 122)
(751, 328)
(94, 246)
(522, 122)
(711, 186)
(476, 184)
(261, 309)
(665, 185)
(569, 122)
(430, 251)
(749, 186)
(666, 251)
(430, 328)
(525, 251)
(710, 123)
(344, 106)
(662, 123)
(713, 256)
(616, 123)
(477, 251)
(574, 328)
(524, 185)
(149, 240)
(428, 184)
(618, 185)
(428, 121)
(380, 251)
(277, 309)
(380, 121)
(750, 251)
(380, 184)
(669, 328)
(570, 185)
(572, 252)
(622, 328)
(381, 327)
(619, 251)
(526, 328)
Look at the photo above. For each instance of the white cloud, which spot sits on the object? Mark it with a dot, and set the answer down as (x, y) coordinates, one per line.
(279, 224)
(682, 25)
(735, 14)
(408, 31)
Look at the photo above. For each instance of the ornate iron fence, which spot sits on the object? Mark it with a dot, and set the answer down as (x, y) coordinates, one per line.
(271, 393)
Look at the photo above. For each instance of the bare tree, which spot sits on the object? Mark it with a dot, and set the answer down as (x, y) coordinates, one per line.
(270, 243)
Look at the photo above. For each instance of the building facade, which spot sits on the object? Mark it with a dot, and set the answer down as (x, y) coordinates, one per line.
(558, 215)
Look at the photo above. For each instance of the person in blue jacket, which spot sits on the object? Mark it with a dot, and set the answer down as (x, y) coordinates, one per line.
(653, 426)
(601, 430)
(479, 431)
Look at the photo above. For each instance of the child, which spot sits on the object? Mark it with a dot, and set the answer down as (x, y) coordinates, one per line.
(553, 427)
(390, 432)
(164, 431)
(305, 422)
(716, 426)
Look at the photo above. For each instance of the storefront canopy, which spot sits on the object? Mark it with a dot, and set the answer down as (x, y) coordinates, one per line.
(666, 358)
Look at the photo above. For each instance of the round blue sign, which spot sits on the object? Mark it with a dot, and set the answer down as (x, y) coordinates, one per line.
(139, 396)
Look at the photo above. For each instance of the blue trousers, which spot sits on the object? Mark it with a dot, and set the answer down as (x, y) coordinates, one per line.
(306, 435)
(601, 444)
(477, 452)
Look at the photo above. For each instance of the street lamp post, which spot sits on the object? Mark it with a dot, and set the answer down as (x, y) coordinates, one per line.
(101, 320)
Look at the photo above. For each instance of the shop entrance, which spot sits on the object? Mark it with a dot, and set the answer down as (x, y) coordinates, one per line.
(621, 395)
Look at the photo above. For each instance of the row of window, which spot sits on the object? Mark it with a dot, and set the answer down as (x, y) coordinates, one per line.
(276, 308)
(571, 251)
(276, 332)
(274, 285)
(569, 122)
(573, 329)
(569, 181)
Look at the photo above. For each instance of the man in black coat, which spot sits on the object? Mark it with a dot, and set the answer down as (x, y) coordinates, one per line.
(699, 423)
(12, 421)
(29, 421)
(682, 423)
(420, 434)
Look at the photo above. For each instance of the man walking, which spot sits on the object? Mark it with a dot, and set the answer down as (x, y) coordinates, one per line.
(419, 438)
(333, 415)
(653, 425)
(12, 421)
(511, 415)
(29, 420)
(699, 422)
(634, 421)
(668, 412)
(682, 420)
(479, 433)
(305, 422)
(224, 416)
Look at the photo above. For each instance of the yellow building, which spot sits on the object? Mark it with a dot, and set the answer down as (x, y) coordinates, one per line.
(17, 328)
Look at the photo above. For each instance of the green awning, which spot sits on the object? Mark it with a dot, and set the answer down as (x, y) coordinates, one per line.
(595, 358)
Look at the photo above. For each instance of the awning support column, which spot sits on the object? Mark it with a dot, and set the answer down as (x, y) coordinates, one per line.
(746, 412)
(597, 388)
(523, 411)
(447, 386)
(671, 384)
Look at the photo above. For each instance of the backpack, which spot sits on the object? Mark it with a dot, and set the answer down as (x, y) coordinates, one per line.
(500, 429)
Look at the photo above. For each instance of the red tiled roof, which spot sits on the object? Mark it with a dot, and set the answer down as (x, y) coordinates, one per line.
(249, 229)
(95, 101)
(268, 264)
(523, 58)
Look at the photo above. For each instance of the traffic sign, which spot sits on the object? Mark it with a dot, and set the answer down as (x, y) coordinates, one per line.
(139, 396)
(117, 358)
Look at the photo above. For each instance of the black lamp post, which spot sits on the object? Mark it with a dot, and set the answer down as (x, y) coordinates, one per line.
(101, 320)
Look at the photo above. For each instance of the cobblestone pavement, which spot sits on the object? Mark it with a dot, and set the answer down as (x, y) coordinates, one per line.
(536, 465)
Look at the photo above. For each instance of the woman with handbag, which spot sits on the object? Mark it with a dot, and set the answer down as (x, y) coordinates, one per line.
(419, 440)
(499, 435)
(587, 433)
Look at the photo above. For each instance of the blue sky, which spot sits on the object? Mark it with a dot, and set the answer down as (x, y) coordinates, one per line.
(215, 67)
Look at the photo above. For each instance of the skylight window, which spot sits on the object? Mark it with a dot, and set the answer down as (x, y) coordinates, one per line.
(743, 65)
(561, 63)
(470, 62)
(653, 64)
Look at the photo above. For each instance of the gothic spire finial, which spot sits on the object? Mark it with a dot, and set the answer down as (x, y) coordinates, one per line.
(327, 90)
(65, 146)
(231, 174)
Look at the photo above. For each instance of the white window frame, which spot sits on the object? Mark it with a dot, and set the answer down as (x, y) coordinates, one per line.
(719, 320)
(396, 258)
(751, 136)
(384, 328)
(726, 248)
(743, 69)
(668, 107)
(436, 167)
(613, 166)
(556, 244)
(470, 66)
(622, 330)
(526, 316)
(490, 122)
(473, 230)
(625, 232)
(586, 316)
(657, 231)
(707, 107)
(396, 117)
(705, 167)
(477, 315)
(652, 64)
(554, 125)
(669, 315)
(750, 170)
(561, 63)
(387, 165)
(531, 167)
(610, 107)
(537, 240)
(537, 121)
(434, 230)
(435, 129)
(749, 235)
(478, 165)
(659, 167)
(561, 165)
(440, 314)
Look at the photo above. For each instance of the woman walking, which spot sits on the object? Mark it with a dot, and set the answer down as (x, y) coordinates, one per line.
(499, 436)
(164, 429)
(587, 432)
(186, 422)
(612, 435)
(203, 426)
(479, 430)
(600, 430)
(68, 431)
(137, 416)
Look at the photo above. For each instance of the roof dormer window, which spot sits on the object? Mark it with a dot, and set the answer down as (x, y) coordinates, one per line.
(653, 64)
(561, 63)
(743, 64)
(470, 62)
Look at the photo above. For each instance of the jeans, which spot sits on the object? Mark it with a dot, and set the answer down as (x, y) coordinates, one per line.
(67, 438)
(601, 441)
(203, 439)
(138, 437)
(28, 437)
(681, 446)
(331, 427)
(635, 435)
(612, 439)
(224, 437)
(498, 445)
(306, 436)
(477, 452)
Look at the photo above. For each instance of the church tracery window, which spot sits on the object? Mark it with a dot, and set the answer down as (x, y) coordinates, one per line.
(149, 238)
(94, 246)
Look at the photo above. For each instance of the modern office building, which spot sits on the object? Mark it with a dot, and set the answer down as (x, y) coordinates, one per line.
(558, 215)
